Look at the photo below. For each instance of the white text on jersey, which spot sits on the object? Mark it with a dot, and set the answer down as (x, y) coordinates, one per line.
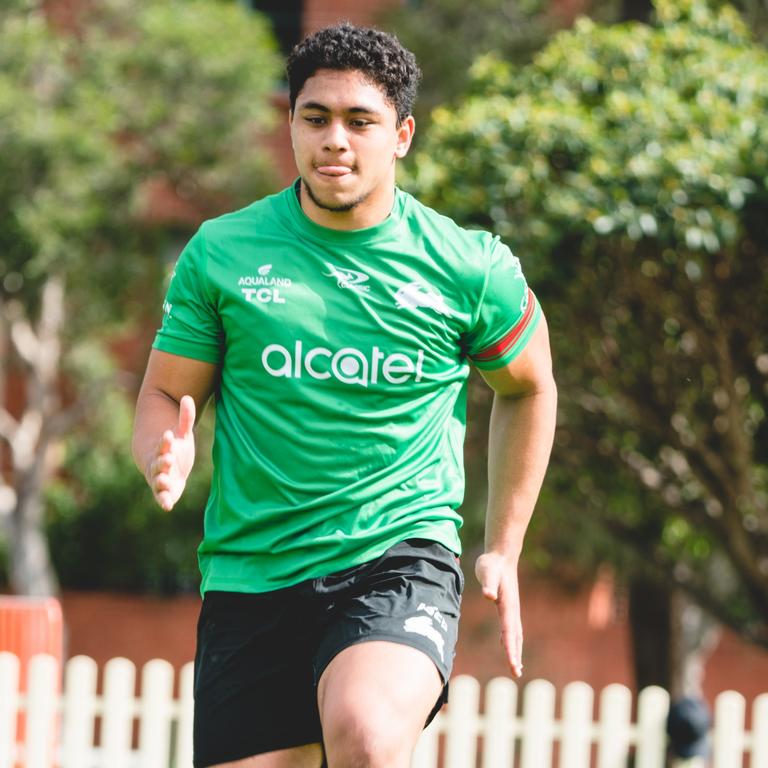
(348, 365)
(263, 289)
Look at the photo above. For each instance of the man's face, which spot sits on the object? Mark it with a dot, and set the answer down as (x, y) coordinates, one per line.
(345, 140)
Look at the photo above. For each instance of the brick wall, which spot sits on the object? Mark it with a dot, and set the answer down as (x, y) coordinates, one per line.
(563, 639)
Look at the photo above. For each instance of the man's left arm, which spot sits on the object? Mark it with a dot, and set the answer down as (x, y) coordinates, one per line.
(520, 441)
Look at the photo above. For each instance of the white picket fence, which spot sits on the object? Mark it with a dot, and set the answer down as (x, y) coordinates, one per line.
(507, 738)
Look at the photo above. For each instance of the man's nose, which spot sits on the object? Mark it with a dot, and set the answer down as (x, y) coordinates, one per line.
(336, 137)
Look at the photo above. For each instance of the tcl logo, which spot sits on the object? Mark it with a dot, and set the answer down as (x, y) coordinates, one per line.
(263, 295)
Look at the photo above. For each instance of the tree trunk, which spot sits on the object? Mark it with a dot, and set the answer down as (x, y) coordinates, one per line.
(31, 569)
(650, 614)
(636, 10)
(672, 638)
(29, 435)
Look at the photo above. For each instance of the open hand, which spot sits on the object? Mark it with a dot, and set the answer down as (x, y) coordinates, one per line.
(169, 469)
(498, 578)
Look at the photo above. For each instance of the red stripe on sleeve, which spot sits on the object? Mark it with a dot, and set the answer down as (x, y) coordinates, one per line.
(500, 347)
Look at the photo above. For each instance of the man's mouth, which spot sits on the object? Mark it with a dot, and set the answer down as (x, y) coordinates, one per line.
(333, 170)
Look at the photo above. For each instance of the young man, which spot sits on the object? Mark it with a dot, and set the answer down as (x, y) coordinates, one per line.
(334, 323)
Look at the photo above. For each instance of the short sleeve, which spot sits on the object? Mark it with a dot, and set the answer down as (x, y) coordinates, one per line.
(191, 324)
(508, 313)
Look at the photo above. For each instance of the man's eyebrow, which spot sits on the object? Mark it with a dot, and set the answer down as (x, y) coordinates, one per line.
(318, 107)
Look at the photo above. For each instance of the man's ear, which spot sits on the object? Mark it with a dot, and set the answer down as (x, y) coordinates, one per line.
(405, 132)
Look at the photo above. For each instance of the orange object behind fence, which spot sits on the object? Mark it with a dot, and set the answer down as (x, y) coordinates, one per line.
(28, 626)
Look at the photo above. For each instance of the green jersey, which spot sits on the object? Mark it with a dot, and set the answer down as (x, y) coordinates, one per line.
(343, 356)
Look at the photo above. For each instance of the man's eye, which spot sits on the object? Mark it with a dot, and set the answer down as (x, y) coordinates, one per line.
(359, 123)
(315, 120)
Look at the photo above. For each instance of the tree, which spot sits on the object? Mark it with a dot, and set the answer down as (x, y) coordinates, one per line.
(167, 97)
(626, 165)
(447, 35)
(754, 11)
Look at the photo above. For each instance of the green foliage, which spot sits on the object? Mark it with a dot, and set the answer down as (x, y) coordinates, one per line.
(636, 128)
(189, 85)
(627, 166)
(447, 35)
(164, 100)
(33, 132)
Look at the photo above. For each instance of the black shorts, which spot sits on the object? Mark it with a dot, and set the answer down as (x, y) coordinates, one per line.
(260, 656)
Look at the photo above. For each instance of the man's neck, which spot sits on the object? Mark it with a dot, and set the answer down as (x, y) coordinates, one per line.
(368, 213)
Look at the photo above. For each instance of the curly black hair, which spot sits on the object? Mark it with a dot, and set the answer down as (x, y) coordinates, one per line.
(379, 56)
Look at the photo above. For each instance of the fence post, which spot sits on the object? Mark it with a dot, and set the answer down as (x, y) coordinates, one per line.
(117, 721)
(460, 724)
(79, 711)
(760, 732)
(186, 715)
(538, 723)
(9, 707)
(652, 710)
(728, 738)
(42, 706)
(615, 716)
(499, 723)
(155, 714)
(578, 703)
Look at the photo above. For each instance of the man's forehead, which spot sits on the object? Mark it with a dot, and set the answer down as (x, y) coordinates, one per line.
(343, 89)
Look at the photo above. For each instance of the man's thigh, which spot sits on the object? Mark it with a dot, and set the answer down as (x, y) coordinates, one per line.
(374, 700)
(254, 682)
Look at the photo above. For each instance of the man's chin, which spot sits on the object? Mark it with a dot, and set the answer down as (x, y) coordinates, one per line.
(340, 203)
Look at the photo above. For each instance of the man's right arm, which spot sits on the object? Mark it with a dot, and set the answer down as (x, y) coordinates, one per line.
(174, 389)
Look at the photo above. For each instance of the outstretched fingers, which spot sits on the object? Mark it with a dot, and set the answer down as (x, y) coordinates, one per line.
(508, 604)
(162, 470)
(167, 472)
(499, 583)
(161, 461)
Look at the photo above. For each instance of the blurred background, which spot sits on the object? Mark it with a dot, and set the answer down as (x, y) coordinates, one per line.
(619, 147)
